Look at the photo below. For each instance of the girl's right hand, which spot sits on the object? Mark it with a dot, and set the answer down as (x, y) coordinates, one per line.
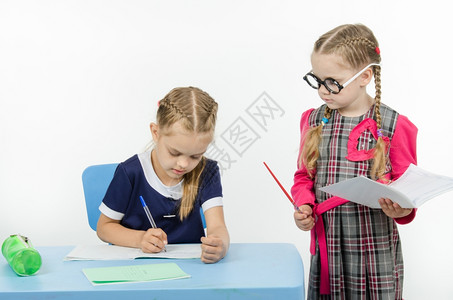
(304, 219)
(153, 241)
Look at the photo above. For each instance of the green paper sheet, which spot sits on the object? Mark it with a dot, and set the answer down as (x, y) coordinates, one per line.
(134, 273)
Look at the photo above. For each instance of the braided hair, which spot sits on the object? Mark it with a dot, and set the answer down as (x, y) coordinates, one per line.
(197, 112)
(358, 46)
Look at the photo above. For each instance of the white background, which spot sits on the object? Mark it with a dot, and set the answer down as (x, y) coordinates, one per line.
(79, 83)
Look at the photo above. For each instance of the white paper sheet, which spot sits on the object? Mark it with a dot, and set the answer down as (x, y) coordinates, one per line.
(412, 189)
(112, 252)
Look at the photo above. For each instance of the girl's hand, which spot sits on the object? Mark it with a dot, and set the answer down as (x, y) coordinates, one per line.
(393, 209)
(304, 219)
(153, 241)
(212, 249)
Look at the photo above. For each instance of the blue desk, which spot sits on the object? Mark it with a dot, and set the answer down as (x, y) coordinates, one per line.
(249, 271)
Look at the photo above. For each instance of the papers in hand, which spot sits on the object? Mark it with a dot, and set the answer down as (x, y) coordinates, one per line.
(112, 252)
(136, 273)
(411, 190)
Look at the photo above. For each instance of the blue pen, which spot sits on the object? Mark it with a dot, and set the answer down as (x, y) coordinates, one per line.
(148, 214)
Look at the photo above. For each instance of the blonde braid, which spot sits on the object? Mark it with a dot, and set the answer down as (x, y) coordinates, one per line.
(310, 152)
(362, 50)
(380, 155)
(357, 50)
(167, 103)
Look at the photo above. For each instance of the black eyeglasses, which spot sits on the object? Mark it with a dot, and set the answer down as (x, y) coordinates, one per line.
(331, 84)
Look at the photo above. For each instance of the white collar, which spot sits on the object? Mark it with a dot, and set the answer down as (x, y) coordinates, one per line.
(174, 192)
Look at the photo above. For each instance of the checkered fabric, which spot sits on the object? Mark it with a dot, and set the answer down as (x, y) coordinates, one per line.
(363, 244)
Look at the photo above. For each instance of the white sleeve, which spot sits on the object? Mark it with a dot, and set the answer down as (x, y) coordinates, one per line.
(108, 212)
(213, 202)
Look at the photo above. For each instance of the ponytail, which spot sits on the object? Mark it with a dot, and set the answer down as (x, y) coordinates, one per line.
(190, 189)
(310, 151)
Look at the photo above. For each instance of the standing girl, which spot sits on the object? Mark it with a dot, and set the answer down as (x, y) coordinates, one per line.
(356, 250)
(174, 179)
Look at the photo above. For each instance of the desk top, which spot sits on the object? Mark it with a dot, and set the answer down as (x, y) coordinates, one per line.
(260, 271)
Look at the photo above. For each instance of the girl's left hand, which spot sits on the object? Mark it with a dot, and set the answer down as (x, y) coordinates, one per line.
(393, 209)
(212, 249)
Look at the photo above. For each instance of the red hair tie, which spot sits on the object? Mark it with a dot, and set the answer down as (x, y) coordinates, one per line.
(378, 51)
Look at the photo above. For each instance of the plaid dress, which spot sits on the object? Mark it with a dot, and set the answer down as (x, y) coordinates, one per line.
(364, 251)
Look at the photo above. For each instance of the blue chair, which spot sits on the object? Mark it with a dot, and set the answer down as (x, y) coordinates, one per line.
(96, 179)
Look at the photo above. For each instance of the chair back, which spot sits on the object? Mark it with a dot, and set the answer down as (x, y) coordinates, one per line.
(96, 180)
